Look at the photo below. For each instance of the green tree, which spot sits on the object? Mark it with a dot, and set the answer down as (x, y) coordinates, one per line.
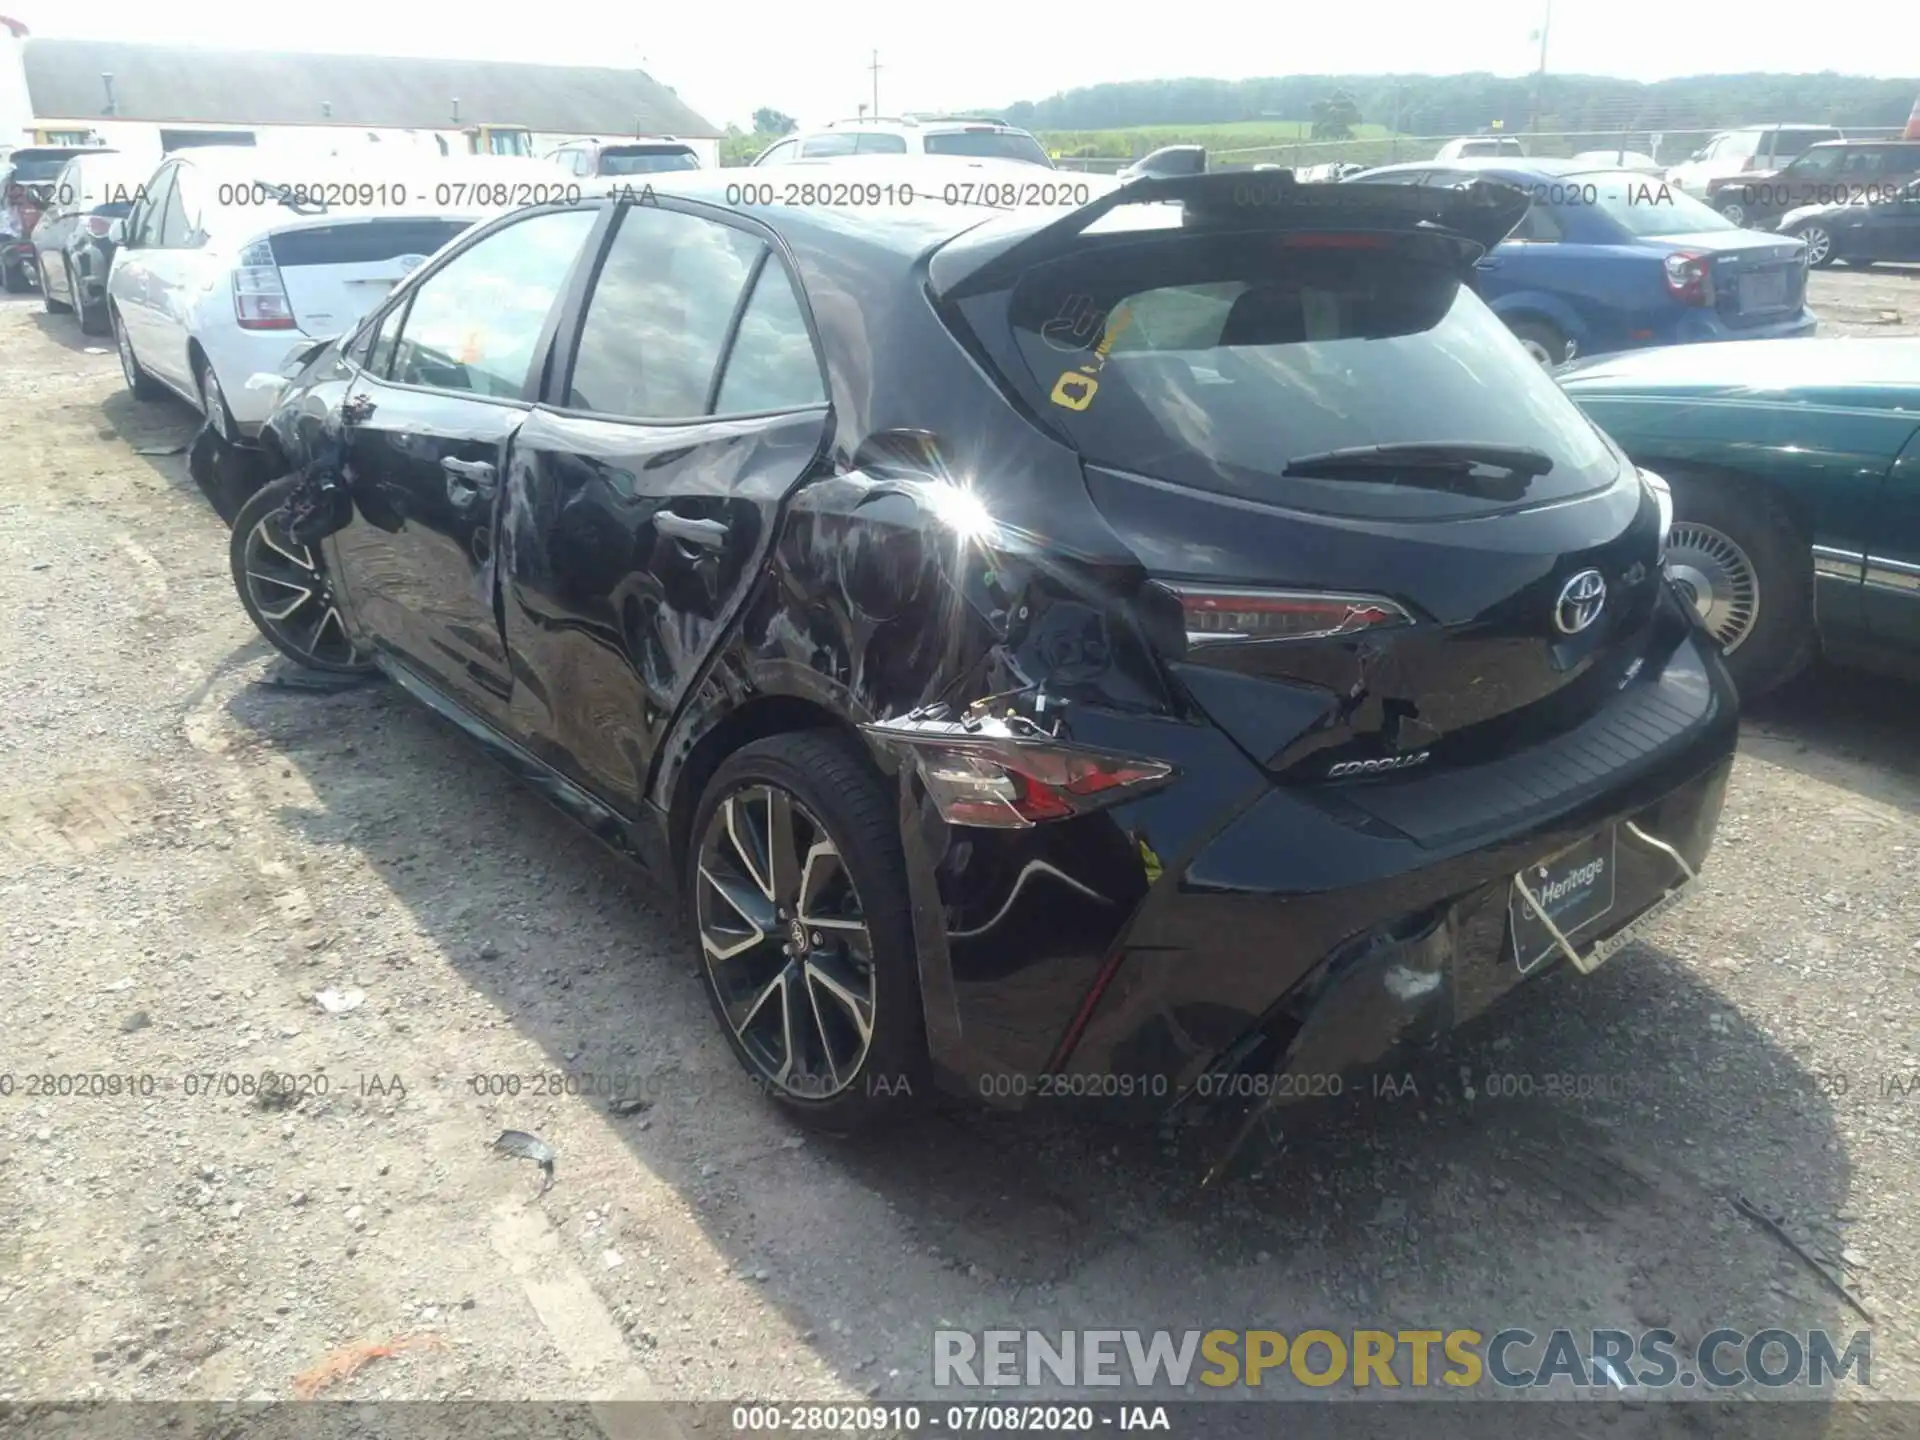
(1335, 117)
(768, 121)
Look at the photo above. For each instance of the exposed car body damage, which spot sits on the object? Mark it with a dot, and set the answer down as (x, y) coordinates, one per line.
(1268, 856)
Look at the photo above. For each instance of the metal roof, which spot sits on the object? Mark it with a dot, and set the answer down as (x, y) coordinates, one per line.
(187, 84)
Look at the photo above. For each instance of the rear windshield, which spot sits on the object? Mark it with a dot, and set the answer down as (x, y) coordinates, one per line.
(648, 160)
(988, 145)
(1491, 147)
(362, 242)
(1646, 205)
(1788, 143)
(34, 169)
(1228, 355)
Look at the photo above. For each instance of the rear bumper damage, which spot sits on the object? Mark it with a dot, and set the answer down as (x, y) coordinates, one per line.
(1315, 929)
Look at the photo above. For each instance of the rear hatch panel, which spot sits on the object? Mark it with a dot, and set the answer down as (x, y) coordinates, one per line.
(1199, 364)
(336, 272)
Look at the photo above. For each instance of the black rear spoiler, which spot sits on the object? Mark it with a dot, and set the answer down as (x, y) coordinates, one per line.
(1482, 213)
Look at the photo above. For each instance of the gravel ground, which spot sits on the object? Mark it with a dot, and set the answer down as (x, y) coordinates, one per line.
(193, 852)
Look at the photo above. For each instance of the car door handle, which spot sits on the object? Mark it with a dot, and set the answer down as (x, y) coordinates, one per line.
(712, 534)
(356, 409)
(468, 481)
(1487, 262)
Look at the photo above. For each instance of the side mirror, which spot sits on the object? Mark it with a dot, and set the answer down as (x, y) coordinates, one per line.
(117, 233)
(1167, 162)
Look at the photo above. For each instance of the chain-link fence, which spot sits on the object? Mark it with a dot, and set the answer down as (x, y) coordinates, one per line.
(1663, 147)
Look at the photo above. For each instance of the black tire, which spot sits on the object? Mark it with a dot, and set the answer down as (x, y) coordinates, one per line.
(1734, 212)
(842, 801)
(266, 584)
(1543, 341)
(13, 279)
(93, 318)
(143, 385)
(1778, 637)
(47, 302)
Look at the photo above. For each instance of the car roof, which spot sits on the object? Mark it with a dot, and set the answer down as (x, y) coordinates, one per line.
(1500, 167)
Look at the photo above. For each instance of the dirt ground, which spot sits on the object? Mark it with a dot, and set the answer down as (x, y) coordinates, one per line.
(193, 851)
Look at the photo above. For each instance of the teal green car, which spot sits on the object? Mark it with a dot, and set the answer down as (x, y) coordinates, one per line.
(1795, 470)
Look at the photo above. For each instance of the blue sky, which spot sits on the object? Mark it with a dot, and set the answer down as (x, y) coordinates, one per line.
(810, 59)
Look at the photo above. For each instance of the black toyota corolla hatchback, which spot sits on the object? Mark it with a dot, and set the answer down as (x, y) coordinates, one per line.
(1128, 651)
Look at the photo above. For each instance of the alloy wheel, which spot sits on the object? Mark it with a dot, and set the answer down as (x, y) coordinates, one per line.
(1538, 352)
(1735, 212)
(128, 366)
(1718, 578)
(213, 403)
(1819, 244)
(786, 942)
(291, 594)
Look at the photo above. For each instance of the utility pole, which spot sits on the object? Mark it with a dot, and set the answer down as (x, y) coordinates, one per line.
(1540, 75)
(875, 68)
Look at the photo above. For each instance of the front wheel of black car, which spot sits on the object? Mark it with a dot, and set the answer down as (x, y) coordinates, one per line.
(13, 279)
(1819, 243)
(1748, 572)
(285, 591)
(798, 894)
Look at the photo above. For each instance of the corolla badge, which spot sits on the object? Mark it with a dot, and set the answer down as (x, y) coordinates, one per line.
(410, 263)
(1581, 600)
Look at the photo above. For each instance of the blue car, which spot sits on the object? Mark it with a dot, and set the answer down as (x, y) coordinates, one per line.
(1612, 259)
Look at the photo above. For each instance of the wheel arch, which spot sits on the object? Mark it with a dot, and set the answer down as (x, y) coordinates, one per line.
(763, 714)
(1792, 505)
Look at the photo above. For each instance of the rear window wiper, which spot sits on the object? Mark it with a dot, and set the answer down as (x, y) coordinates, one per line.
(1520, 460)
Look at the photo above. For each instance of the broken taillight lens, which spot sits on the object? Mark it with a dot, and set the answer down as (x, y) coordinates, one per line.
(988, 774)
(1218, 616)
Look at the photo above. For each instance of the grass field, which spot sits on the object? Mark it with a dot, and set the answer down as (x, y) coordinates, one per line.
(1262, 139)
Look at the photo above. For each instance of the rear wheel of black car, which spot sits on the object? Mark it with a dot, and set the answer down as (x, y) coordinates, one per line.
(1543, 342)
(13, 278)
(1819, 243)
(284, 589)
(1748, 571)
(798, 894)
(143, 385)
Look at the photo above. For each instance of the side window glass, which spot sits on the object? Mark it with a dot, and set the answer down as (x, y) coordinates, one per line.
(145, 231)
(658, 316)
(771, 365)
(173, 218)
(473, 325)
(829, 145)
(1538, 225)
(188, 203)
(779, 153)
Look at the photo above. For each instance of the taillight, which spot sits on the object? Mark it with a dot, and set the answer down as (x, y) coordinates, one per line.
(1219, 616)
(98, 225)
(987, 773)
(1689, 278)
(259, 299)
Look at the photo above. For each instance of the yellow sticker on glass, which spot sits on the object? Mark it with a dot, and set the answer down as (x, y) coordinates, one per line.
(1075, 391)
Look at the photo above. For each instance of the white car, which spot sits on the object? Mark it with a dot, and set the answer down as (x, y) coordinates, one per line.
(231, 256)
(971, 137)
(1470, 147)
(1620, 160)
(1750, 150)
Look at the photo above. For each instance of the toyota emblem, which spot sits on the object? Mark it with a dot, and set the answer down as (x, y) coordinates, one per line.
(410, 263)
(1581, 600)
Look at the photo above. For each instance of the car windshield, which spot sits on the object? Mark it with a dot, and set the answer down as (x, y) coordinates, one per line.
(1215, 360)
(1645, 205)
(988, 145)
(647, 160)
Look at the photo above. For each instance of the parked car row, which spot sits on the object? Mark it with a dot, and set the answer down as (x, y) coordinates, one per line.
(1182, 637)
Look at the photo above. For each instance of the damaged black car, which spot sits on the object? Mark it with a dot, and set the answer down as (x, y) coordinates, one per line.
(1094, 653)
